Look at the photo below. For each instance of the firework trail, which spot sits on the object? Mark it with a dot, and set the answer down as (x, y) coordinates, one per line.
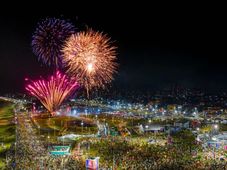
(51, 93)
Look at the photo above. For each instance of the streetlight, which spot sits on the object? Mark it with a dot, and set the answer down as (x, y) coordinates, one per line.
(39, 129)
(214, 149)
(215, 128)
(54, 128)
(63, 139)
(96, 117)
(82, 123)
(86, 112)
(63, 161)
(48, 137)
(146, 127)
(15, 152)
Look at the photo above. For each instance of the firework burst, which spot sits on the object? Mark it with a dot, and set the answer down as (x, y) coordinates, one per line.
(51, 93)
(90, 58)
(49, 38)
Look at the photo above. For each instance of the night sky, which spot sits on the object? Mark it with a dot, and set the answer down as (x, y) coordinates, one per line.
(157, 48)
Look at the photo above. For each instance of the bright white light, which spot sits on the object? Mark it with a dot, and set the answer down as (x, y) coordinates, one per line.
(197, 129)
(215, 126)
(74, 112)
(146, 126)
(149, 120)
(90, 67)
(214, 138)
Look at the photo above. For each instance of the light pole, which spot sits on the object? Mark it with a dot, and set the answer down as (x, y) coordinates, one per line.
(82, 123)
(215, 139)
(63, 139)
(39, 129)
(63, 161)
(16, 137)
(112, 153)
(48, 137)
(15, 153)
(146, 128)
(149, 121)
(54, 128)
(215, 128)
(86, 112)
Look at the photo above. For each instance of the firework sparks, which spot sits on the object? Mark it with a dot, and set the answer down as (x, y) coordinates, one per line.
(48, 39)
(90, 58)
(51, 93)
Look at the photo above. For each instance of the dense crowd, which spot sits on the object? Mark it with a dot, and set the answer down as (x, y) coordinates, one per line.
(30, 152)
(120, 153)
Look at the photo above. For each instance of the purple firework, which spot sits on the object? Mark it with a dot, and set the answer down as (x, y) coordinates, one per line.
(48, 39)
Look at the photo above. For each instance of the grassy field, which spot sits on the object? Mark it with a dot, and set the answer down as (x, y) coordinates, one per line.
(62, 125)
(7, 129)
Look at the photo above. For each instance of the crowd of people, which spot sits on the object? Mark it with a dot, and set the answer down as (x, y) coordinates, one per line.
(119, 153)
(31, 152)
(27, 150)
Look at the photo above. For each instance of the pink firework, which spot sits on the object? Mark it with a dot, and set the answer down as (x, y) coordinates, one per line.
(51, 93)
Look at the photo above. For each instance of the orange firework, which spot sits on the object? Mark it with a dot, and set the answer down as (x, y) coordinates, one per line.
(90, 58)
